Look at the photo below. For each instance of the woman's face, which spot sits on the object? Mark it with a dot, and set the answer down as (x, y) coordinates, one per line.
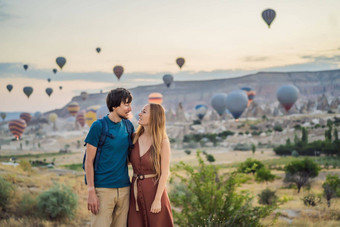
(144, 116)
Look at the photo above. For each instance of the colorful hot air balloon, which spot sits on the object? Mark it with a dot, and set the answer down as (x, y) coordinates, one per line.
(61, 61)
(49, 91)
(17, 127)
(25, 67)
(268, 16)
(237, 102)
(3, 115)
(26, 116)
(287, 96)
(102, 112)
(83, 95)
(37, 115)
(250, 93)
(80, 118)
(9, 87)
(118, 71)
(156, 98)
(28, 91)
(167, 78)
(98, 50)
(60, 87)
(201, 110)
(90, 115)
(218, 102)
(180, 62)
(54, 71)
(49, 80)
(73, 108)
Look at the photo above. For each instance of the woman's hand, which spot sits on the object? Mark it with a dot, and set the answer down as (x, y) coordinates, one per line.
(156, 206)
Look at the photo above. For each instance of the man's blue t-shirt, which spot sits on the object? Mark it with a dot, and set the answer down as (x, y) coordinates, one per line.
(112, 170)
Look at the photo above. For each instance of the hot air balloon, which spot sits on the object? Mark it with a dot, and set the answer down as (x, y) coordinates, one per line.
(52, 117)
(98, 50)
(9, 87)
(49, 80)
(156, 98)
(80, 118)
(167, 78)
(90, 115)
(201, 110)
(250, 93)
(118, 71)
(73, 108)
(28, 91)
(54, 71)
(26, 117)
(61, 61)
(3, 115)
(25, 67)
(287, 96)
(17, 127)
(37, 114)
(83, 95)
(237, 102)
(60, 87)
(49, 91)
(180, 62)
(218, 102)
(102, 112)
(268, 16)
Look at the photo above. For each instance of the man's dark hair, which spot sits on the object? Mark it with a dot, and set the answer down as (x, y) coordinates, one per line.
(116, 96)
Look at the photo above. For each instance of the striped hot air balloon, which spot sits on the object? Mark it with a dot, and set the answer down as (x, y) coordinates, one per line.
(91, 114)
(26, 117)
(17, 127)
(80, 118)
(156, 98)
(250, 93)
(73, 108)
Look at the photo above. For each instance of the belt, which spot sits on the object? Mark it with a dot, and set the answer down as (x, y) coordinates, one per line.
(140, 177)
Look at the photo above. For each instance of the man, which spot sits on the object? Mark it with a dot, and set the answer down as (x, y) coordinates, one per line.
(109, 185)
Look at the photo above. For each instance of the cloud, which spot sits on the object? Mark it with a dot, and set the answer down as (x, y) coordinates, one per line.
(255, 59)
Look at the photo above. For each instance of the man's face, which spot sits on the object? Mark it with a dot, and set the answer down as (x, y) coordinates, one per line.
(123, 110)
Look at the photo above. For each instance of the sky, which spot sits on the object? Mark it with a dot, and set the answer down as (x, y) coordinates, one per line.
(217, 38)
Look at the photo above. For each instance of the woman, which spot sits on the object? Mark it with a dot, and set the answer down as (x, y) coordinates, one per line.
(150, 159)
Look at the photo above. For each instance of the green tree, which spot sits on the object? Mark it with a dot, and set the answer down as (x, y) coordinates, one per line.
(264, 174)
(300, 171)
(250, 166)
(6, 193)
(206, 198)
(304, 138)
(253, 148)
(331, 188)
(267, 197)
(210, 158)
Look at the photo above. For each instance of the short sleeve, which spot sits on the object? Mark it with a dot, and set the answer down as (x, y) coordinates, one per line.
(94, 134)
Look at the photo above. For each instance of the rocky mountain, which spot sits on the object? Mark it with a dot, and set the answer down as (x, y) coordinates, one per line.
(317, 91)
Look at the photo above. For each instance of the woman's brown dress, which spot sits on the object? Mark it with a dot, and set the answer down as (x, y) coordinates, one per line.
(146, 194)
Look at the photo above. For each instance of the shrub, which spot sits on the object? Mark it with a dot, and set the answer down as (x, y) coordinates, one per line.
(300, 171)
(295, 153)
(278, 128)
(267, 197)
(27, 205)
(210, 158)
(188, 152)
(6, 193)
(331, 187)
(311, 200)
(57, 203)
(264, 174)
(242, 147)
(210, 199)
(250, 166)
(25, 165)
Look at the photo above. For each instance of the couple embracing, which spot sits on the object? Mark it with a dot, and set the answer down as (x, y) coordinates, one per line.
(112, 199)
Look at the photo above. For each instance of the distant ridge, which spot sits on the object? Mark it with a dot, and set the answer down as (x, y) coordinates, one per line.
(190, 93)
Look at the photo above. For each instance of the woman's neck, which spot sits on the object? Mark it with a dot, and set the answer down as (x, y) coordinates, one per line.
(147, 131)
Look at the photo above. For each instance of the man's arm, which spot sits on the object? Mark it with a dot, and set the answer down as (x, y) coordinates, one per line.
(92, 200)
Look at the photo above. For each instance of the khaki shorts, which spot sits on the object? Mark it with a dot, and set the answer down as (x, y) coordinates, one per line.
(113, 207)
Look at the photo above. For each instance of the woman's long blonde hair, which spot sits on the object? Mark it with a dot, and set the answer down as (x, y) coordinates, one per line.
(158, 134)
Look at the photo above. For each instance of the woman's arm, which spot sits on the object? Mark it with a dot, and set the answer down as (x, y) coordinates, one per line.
(165, 164)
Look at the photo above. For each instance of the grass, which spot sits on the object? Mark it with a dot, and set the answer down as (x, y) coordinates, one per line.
(5, 158)
(75, 167)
